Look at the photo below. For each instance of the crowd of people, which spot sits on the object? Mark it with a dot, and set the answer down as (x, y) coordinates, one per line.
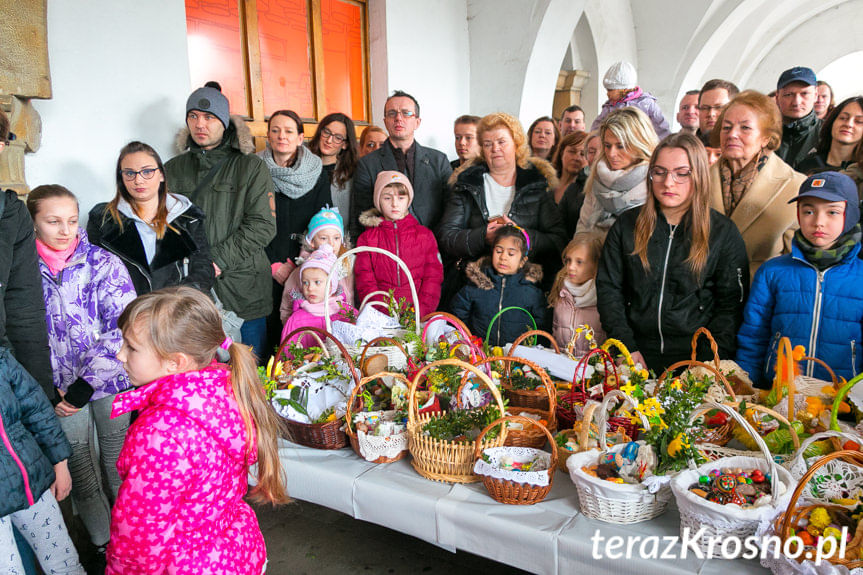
(642, 234)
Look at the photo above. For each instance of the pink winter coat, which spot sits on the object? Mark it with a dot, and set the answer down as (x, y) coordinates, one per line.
(185, 468)
(567, 317)
(293, 287)
(415, 244)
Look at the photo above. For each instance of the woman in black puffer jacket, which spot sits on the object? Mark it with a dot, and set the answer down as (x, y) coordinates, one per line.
(673, 265)
(503, 186)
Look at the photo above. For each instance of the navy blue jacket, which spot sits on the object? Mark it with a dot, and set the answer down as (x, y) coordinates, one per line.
(489, 292)
(822, 312)
(30, 432)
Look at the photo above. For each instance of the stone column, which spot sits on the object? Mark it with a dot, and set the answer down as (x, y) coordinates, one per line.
(568, 90)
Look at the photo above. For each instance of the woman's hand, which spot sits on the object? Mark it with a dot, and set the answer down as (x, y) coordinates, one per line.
(494, 225)
(217, 269)
(638, 358)
(64, 408)
(63, 483)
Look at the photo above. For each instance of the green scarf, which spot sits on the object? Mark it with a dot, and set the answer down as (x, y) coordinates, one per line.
(824, 258)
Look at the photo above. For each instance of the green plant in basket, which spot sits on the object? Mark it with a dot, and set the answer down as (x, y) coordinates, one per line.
(463, 425)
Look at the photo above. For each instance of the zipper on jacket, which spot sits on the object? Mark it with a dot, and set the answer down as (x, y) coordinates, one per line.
(125, 259)
(853, 358)
(398, 255)
(8, 444)
(662, 288)
(816, 321)
(740, 282)
(500, 306)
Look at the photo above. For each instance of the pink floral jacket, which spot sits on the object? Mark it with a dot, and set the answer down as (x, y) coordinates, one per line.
(185, 467)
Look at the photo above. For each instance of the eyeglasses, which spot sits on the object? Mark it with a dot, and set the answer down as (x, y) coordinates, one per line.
(146, 173)
(661, 175)
(710, 108)
(393, 114)
(337, 138)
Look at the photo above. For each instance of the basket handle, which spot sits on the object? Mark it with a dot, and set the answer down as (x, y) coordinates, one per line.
(523, 420)
(413, 410)
(798, 456)
(509, 360)
(381, 340)
(840, 397)
(848, 456)
(434, 316)
(785, 372)
(741, 421)
(534, 332)
(692, 363)
(616, 343)
(358, 250)
(586, 422)
(500, 313)
(823, 364)
(607, 360)
(370, 295)
(603, 414)
(321, 335)
(286, 341)
(714, 347)
(363, 382)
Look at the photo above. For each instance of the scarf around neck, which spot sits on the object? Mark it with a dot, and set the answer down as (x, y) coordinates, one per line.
(294, 181)
(735, 186)
(618, 190)
(583, 295)
(318, 308)
(56, 260)
(824, 258)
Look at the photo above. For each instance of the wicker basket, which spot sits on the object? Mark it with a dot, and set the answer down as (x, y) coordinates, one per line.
(438, 460)
(405, 360)
(713, 452)
(395, 356)
(622, 504)
(532, 398)
(721, 521)
(582, 430)
(449, 318)
(510, 491)
(327, 435)
(578, 397)
(793, 515)
(529, 436)
(395, 447)
(845, 480)
(717, 435)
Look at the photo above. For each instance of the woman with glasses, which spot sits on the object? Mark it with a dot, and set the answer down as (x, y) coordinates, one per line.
(335, 141)
(674, 265)
(158, 235)
(751, 184)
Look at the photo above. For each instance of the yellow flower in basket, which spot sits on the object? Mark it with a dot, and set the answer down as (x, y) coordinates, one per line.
(497, 351)
(651, 408)
(628, 388)
(675, 384)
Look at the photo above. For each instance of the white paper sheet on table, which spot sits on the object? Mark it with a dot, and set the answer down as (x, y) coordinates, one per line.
(557, 365)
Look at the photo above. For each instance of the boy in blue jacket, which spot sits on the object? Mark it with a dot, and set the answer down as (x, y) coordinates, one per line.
(811, 295)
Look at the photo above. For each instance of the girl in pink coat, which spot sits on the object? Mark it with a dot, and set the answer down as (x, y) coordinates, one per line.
(573, 295)
(185, 463)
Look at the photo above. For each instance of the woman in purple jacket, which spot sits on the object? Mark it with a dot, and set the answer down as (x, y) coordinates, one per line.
(86, 289)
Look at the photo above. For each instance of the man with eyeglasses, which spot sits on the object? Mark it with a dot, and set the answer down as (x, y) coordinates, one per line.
(427, 169)
(795, 96)
(221, 174)
(712, 98)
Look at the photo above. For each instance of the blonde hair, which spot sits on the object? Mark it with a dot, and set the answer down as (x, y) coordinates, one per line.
(764, 108)
(501, 120)
(699, 204)
(593, 243)
(184, 320)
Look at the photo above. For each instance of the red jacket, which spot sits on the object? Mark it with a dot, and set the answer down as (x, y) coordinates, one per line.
(414, 244)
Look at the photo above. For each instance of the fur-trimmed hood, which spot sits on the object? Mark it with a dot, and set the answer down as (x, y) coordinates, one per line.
(536, 168)
(478, 273)
(371, 218)
(240, 137)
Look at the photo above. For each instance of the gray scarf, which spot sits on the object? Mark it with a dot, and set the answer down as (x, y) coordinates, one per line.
(294, 181)
(618, 190)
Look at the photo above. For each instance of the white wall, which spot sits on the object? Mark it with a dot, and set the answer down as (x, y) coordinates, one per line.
(119, 70)
(427, 57)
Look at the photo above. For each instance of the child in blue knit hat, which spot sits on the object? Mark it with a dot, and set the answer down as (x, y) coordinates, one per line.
(325, 227)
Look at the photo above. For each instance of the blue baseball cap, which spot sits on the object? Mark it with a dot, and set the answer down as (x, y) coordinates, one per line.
(833, 187)
(796, 74)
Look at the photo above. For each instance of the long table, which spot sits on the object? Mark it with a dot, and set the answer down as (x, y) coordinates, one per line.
(549, 537)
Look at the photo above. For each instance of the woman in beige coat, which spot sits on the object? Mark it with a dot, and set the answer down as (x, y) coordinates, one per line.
(749, 183)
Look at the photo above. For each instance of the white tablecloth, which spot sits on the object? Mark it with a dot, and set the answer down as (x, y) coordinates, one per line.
(549, 537)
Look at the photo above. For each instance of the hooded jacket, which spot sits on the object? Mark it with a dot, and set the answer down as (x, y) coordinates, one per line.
(240, 207)
(83, 303)
(184, 467)
(462, 229)
(30, 433)
(489, 292)
(822, 312)
(657, 312)
(182, 256)
(414, 244)
(644, 102)
(798, 139)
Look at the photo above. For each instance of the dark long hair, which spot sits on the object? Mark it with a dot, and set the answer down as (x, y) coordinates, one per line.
(826, 137)
(346, 161)
(160, 222)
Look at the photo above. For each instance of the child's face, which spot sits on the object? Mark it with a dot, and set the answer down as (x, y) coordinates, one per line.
(314, 284)
(507, 257)
(394, 204)
(616, 95)
(328, 236)
(140, 360)
(56, 222)
(580, 267)
(821, 221)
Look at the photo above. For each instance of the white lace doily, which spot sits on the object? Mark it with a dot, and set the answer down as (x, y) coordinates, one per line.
(537, 476)
(783, 565)
(374, 446)
(836, 479)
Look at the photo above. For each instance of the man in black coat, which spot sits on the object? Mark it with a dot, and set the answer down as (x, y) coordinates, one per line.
(426, 168)
(795, 96)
